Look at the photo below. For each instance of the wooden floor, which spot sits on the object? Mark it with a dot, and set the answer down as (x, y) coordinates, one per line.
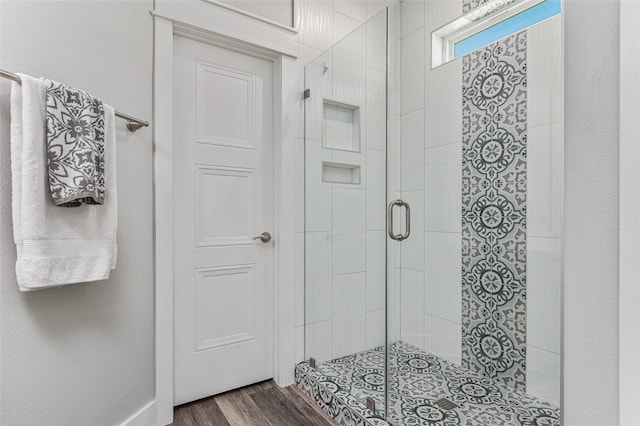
(262, 404)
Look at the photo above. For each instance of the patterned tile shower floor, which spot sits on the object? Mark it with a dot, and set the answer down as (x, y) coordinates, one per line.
(416, 381)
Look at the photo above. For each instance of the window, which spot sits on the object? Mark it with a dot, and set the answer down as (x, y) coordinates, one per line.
(482, 27)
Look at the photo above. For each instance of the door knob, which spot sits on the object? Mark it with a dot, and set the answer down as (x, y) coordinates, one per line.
(265, 237)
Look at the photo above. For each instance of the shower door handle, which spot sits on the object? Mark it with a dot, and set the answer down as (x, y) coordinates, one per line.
(407, 215)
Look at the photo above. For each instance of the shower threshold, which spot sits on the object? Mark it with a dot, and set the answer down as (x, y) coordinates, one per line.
(423, 390)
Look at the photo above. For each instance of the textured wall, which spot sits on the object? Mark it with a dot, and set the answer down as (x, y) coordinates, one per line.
(82, 354)
(590, 346)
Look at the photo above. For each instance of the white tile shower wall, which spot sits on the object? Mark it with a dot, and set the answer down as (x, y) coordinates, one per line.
(375, 270)
(413, 68)
(412, 249)
(376, 203)
(376, 114)
(319, 211)
(349, 335)
(412, 172)
(544, 208)
(318, 340)
(344, 224)
(543, 292)
(544, 72)
(544, 191)
(319, 80)
(318, 277)
(443, 190)
(443, 276)
(348, 230)
(350, 68)
(543, 372)
(412, 16)
(356, 9)
(343, 25)
(443, 112)
(376, 37)
(443, 338)
(411, 304)
(442, 185)
(375, 328)
(348, 291)
(410, 148)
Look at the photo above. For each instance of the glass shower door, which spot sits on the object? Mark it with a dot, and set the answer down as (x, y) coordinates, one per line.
(345, 216)
(474, 276)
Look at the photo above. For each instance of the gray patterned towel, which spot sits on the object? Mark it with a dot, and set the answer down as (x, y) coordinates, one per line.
(75, 146)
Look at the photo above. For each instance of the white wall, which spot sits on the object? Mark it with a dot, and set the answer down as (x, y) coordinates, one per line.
(591, 213)
(82, 354)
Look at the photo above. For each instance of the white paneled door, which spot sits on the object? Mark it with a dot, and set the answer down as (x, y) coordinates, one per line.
(223, 192)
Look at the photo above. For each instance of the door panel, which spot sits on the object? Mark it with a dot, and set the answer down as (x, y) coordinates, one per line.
(223, 190)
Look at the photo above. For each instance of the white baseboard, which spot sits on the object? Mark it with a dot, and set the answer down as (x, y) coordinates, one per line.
(146, 416)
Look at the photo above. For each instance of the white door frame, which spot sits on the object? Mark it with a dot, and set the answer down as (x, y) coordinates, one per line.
(224, 27)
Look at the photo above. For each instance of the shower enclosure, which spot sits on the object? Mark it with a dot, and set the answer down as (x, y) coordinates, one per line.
(433, 219)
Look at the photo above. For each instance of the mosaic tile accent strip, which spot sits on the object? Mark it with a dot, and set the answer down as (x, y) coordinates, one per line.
(482, 8)
(494, 184)
(416, 381)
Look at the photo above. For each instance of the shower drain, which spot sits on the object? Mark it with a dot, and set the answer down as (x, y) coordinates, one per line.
(445, 404)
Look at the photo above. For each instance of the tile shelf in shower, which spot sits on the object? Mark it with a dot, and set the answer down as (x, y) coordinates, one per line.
(341, 173)
(341, 128)
(416, 381)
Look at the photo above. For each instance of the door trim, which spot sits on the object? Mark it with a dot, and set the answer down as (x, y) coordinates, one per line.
(284, 356)
(629, 315)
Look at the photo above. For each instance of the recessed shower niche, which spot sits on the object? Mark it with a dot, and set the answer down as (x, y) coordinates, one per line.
(340, 173)
(341, 129)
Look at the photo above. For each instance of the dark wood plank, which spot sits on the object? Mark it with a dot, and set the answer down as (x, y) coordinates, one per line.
(257, 387)
(205, 412)
(183, 416)
(280, 410)
(261, 404)
(240, 410)
(208, 413)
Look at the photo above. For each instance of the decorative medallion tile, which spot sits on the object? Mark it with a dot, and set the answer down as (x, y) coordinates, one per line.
(494, 210)
(415, 381)
(483, 8)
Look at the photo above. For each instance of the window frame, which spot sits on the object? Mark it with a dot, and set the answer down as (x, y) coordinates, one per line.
(444, 39)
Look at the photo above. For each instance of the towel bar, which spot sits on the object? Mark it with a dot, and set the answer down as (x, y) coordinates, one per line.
(133, 123)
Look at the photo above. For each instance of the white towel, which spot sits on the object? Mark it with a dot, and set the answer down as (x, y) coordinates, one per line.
(56, 245)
